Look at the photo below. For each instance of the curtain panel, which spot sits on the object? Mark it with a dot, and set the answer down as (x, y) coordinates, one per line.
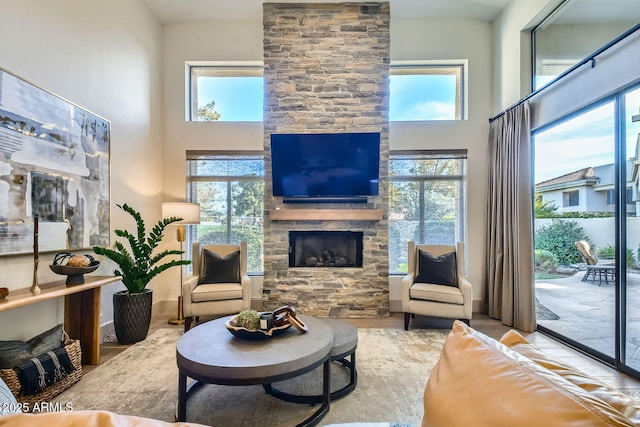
(509, 251)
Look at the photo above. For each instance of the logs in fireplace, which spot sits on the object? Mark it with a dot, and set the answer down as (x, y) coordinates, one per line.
(325, 249)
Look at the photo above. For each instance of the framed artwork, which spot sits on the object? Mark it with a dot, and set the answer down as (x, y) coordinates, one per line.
(54, 164)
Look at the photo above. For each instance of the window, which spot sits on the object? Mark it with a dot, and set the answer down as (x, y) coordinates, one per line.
(611, 196)
(570, 198)
(230, 93)
(574, 31)
(230, 190)
(426, 91)
(427, 201)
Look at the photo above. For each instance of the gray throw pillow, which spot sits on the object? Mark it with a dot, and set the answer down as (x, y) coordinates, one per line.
(217, 269)
(439, 270)
(15, 353)
(8, 402)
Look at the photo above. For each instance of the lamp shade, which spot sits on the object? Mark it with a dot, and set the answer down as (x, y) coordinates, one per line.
(189, 212)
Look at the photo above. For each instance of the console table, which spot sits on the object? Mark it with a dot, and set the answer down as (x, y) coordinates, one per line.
(81, 310)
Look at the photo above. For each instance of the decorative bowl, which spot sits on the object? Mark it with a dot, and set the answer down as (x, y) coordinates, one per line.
(74, 274)
(257, 334)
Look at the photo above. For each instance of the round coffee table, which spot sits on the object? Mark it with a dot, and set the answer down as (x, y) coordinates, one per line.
(209, 354)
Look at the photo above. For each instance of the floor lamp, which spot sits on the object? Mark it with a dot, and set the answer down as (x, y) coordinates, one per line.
(190, 214)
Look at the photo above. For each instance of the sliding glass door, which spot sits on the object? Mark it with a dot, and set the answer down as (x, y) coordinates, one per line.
(587, 229)
(630, 282)
(575, 233)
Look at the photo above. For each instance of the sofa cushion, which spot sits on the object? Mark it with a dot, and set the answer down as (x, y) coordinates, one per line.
(15, 353)
(8, 402)
(492, 385)
(217, 269)
(620, 401)
(439, 270)
(216, 292)
(84, 419)
(438, 293)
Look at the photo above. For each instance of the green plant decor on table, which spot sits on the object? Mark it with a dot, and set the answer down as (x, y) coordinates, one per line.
(248, 319)
(140, 265)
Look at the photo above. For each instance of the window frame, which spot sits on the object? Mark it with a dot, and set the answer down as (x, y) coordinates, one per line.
(568, 196)
(454, 154)
(191, 180)
(430, 67)
(217, 69)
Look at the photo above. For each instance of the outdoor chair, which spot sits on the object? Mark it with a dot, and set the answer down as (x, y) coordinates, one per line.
(595, 271)
(435, 284)
(219, 285)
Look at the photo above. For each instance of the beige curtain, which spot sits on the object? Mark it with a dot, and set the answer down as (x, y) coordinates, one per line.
(509, 243)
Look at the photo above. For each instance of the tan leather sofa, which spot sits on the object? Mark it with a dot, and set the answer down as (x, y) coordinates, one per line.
(481, 382)
(84, 419)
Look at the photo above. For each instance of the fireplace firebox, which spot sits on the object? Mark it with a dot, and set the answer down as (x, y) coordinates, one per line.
(325, 248)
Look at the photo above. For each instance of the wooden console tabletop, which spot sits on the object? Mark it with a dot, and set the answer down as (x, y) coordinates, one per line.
(81, 309)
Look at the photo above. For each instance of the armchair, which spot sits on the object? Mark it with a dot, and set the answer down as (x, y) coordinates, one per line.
(219, 285)
(452, 300)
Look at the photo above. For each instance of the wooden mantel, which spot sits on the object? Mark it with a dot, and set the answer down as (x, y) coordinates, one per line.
(81, 309)
(325, 214)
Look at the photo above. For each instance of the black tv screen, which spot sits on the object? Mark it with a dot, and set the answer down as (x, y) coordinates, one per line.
(325, 165)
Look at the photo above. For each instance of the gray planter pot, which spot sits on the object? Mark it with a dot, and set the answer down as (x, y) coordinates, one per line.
(132, 315)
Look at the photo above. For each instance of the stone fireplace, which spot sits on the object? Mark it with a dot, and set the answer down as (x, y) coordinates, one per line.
(326, 70)
(332, 249)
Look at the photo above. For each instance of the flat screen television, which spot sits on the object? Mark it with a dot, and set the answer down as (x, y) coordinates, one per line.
(325, 165)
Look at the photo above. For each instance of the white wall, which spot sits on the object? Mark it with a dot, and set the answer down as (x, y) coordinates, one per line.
(512, 49)
(453, 39)
(105, 57)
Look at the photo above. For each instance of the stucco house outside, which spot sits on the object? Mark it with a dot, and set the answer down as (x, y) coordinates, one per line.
(590, 189)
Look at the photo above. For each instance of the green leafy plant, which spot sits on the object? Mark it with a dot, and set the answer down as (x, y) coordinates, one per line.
(559, 237)
(546, 261)
(248, 319)
(139, 264)
(609, 252)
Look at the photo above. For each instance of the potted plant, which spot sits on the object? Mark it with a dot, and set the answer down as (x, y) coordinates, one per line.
(137, 266)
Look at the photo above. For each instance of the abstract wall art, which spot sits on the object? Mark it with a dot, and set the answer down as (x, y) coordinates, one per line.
(54, 164)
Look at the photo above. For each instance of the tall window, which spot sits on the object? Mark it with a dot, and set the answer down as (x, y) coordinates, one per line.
(426, 91)
(427, 201)
(226, 92)
(230, 189)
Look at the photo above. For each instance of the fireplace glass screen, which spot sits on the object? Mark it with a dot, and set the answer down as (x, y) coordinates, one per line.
(325, 249)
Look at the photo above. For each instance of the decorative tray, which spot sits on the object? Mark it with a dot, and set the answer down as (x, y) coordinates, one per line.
(257, 334)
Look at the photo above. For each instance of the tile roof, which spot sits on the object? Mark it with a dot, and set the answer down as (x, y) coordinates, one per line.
(579, 175)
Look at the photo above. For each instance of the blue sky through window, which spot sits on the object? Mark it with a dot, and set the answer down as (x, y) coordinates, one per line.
(422, 97)
(238, 99)
(584, 140)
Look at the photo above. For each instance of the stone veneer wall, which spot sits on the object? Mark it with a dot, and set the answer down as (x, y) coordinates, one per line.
(326, 69)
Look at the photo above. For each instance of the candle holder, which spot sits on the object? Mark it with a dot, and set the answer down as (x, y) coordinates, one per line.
(35, 289)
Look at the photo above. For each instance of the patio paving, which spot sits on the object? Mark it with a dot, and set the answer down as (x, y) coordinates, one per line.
(586, 312)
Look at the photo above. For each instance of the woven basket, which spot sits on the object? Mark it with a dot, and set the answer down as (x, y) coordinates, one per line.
(10, 377)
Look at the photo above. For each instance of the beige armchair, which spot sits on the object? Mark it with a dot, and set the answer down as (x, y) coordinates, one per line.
(225, 287)
(452, 301)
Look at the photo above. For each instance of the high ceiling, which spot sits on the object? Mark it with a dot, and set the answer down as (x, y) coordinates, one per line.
(173, 11)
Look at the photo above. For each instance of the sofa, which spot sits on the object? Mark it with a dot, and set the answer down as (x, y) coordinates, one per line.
(481, 382)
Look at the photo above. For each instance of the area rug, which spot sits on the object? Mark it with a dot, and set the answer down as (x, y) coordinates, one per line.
(393, 368)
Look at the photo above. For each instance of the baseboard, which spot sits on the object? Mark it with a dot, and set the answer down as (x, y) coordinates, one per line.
(107, 332)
